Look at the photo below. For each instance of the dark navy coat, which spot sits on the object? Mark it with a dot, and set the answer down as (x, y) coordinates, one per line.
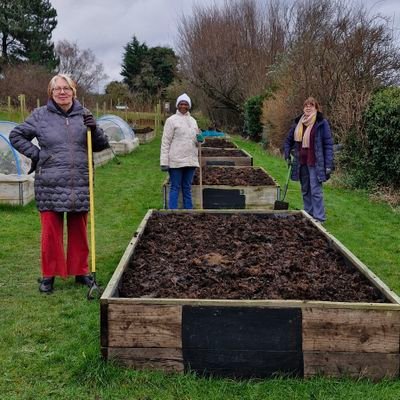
(323, 144)
(61, 174)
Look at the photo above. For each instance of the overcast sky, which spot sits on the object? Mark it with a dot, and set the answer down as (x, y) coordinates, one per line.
(106, 26)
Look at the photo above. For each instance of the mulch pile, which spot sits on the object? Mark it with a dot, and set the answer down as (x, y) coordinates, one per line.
(210, 152)
(232, 176)
(147, 129)
(219, 143)
(234, 256)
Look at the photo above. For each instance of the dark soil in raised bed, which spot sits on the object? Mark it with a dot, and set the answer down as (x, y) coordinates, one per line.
(233, 176)
(210, 152)
(219, 143)
(147, 129)
(233, 256)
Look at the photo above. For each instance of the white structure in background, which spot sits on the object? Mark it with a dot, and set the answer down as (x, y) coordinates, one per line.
(16, 186)
(121, 136)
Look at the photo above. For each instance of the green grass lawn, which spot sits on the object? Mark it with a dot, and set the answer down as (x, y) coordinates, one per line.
(49, 347)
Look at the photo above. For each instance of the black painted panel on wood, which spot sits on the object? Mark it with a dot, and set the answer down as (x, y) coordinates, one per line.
(243, 364)
(242, 341)
(223, 198)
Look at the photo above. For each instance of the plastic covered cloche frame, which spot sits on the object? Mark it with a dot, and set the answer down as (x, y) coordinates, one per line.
(116, 128)
(11, 161)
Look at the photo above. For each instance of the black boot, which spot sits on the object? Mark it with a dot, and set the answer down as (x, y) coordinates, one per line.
(46, 285)
(84, 280)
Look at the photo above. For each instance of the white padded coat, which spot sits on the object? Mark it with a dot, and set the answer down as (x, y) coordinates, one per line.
(179, 144)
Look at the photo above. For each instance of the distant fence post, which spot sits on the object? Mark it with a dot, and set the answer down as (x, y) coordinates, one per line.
(9, 107)
(21, 99)
(97, 109)
(104, 107)
(38, 102)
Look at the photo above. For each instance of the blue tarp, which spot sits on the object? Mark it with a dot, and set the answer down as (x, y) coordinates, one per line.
(213, 133)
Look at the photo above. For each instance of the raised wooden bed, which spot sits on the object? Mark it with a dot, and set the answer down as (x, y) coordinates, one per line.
(16, 190)
(124, 146)
(227, 157)
(145, 135)
(102, 157)
(252, 338)
(222, 196)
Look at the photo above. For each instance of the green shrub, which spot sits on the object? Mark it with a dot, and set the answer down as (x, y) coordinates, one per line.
(382, 124)
(375, 159)
(252, 117)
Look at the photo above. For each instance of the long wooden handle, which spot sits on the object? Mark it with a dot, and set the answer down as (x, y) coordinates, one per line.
(201, 179)
(91, 202)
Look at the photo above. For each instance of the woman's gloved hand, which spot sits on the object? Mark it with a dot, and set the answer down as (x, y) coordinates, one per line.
(89, 121)
(164, 168)
(200, 138)
(328, 172)
(33, 166)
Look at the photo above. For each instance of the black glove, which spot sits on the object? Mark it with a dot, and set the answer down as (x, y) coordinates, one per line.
(164, 168)
(328, 172)
(89, 121)
(34, 162)
(289, 161)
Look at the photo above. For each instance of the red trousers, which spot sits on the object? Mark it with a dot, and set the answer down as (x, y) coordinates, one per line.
(54, 262)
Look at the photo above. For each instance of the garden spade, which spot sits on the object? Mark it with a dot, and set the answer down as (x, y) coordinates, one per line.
(281, 204)
(94, 290)
(200, 179)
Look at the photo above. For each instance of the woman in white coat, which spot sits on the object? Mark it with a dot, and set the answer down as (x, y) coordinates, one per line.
(179, 153)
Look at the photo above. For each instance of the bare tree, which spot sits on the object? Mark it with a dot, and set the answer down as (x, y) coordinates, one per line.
(81, 65)
(337, 53)
(28, 79)
(225, 51)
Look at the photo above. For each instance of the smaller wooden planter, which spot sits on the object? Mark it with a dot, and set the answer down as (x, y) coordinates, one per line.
(16, 190)
(102, 157)
(145, 135)
(252, 338)
(124, 146)
(231, 197)
(227, 157)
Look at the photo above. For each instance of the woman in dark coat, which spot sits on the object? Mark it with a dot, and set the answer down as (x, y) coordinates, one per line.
(60, 164)
(310, 137)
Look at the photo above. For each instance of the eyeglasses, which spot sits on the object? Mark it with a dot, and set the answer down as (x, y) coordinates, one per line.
(62, 89)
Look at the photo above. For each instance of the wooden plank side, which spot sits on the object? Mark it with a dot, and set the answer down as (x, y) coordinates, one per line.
(144, 326)
(255, 303)
(18, 192)
(164, 359)
(355, 365)
(349, 330)
(112, 286)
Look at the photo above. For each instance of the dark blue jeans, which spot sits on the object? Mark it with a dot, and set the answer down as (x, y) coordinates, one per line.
(311, 190)
(181, 178)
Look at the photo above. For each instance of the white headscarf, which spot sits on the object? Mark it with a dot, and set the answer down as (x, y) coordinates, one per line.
(184, 97)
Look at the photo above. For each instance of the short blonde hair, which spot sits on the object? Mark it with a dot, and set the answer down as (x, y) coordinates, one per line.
(52, 84)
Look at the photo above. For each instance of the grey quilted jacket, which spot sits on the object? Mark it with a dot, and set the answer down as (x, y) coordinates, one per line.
(61, 174)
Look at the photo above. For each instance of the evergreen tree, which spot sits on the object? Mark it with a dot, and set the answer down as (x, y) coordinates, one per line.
(134, 58)
(147, 71)
(25, 32)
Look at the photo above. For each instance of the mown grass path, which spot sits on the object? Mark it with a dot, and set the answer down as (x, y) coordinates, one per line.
(49, 345)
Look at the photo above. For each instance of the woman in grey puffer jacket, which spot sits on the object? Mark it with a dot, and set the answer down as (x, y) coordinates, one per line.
(61, 178)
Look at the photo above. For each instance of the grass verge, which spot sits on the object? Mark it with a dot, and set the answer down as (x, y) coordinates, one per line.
(49, 345)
